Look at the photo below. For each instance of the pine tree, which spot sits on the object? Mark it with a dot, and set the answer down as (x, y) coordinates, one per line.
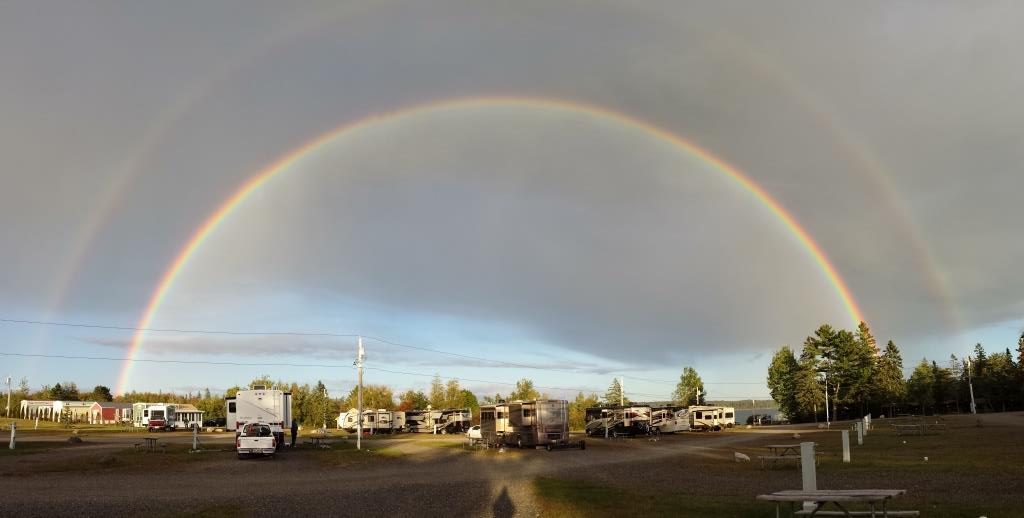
(614, 396)
(889, 385)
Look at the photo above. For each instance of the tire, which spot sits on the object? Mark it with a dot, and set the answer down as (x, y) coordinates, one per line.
(241, 456)
(549, 447)
(583, 445)
(519, 442)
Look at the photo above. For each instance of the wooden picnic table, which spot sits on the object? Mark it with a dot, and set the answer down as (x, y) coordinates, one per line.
(318, 440)
(785, 449)
(838, 497)
(150, 443)
(782, 453)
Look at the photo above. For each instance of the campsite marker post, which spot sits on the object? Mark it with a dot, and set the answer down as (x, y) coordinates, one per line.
(809, 473)
(860, 433)
(846, 446)
(14, 426)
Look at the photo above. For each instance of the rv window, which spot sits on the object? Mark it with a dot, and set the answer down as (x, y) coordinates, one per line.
(527, 412)
(728, 415)
(696, 415)
(501, 415)
(145, 413)
(231, 407)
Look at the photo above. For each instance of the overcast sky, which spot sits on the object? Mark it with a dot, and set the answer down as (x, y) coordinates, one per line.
(573, 245)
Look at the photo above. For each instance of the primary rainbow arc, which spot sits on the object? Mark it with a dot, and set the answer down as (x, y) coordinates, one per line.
(203, 232)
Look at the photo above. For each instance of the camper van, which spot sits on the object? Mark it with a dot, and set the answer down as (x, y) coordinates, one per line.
(618, 421)
(259, 404)
(374, 421)
(527, 424)
(711, 418)
(445, 421)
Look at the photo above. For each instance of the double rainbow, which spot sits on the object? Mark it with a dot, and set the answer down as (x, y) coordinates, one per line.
(207, 228)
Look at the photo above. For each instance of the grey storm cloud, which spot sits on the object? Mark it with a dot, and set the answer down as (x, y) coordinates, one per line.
(890, 131)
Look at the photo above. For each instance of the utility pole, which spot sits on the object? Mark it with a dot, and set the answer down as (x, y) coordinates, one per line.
(8, 413)
(970, 385)
(361, 355)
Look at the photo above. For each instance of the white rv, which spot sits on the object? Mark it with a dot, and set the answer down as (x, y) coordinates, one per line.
(374, 421)
(670, 419)
(260, 405)
(712, 418)
(158, 416)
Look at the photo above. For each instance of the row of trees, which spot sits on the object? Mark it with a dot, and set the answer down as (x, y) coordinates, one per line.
(858, 379)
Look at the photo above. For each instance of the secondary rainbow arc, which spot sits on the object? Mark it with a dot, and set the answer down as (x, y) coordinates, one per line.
(203, 232)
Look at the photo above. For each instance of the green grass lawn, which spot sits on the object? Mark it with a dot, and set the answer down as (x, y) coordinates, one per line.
(971, 471)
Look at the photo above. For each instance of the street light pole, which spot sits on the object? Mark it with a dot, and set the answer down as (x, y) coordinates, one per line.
(828, 423)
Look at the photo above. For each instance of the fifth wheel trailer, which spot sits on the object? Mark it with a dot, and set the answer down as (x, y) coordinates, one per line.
(450, 420)
(259, 404)
(618, 421)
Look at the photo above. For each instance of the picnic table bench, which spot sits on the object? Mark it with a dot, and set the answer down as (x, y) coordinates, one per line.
(781, 453)
(838, 497)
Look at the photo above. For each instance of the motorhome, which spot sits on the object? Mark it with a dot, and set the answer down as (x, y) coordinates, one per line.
(259, 404)
(618, 421)
(445, 421)
(527, 424)
(711, 418)
(374, 421)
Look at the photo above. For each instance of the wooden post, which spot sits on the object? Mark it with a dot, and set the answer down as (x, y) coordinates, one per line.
(860, 433)
(809, 473)
(846, 446)
(14, 426)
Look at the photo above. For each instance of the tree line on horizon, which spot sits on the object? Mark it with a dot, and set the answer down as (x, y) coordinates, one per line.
(860, 379)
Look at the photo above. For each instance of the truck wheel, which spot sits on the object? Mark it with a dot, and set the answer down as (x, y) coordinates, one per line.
(583, 445)
(549, 447)
(241, 456)
(519, 442)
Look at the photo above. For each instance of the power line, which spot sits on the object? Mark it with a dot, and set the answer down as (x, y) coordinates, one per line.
(342, 335)
(268, 364)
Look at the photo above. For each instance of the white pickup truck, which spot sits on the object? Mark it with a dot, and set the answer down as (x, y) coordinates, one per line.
(255, 439)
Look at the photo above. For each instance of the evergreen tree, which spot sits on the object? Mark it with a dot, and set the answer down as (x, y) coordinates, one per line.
(782, 375)
(889, 385)
(614, 396)
(688, 389)
(809, 393)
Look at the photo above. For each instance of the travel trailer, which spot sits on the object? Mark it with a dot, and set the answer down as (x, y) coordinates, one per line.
(711, 418)
(259, 404)
(439, 421)
(618, 421)
(374, 421)
(527, 424)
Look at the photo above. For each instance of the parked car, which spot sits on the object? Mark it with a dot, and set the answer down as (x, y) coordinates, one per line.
(219, 422)
(474, 433)
(255, 439)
